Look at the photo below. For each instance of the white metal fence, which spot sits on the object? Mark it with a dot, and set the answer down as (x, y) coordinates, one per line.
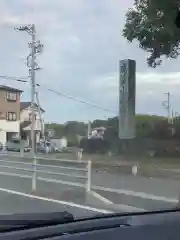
(36, 168)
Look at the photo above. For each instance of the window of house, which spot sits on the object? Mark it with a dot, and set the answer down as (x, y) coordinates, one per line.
(11, 116)
(11, 96)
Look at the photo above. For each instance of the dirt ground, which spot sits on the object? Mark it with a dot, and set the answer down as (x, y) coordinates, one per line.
(106, 160)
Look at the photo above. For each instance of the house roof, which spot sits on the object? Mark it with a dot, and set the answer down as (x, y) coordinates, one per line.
(24, 105)
(8, 88)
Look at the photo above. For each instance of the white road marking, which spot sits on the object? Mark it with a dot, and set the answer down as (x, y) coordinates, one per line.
(42, 165)
(16, 175)
(44, 179)
(101, 198)
(46, 159)
(71, 204)
(120, 206)
(61, 181)
(137, 194)
(42, 171)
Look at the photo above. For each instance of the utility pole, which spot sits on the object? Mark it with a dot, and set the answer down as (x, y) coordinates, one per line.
(167, 106)
(36, 48)
(41, 119)
(32, 74)
(89, 129)
(175, 115)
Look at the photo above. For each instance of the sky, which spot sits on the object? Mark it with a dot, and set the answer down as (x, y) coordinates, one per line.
(83, 44)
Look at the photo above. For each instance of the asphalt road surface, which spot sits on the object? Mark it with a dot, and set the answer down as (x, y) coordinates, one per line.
(138, 191)
(11, 203)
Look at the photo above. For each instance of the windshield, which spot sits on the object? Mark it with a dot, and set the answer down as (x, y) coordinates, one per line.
(89, 106)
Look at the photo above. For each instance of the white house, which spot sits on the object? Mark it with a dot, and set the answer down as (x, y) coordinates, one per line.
(25, 121)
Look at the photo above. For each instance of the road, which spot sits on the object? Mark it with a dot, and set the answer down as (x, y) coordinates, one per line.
(136, 191)
(142, 192)
(16, 196)
(11, 203)
(16, 193)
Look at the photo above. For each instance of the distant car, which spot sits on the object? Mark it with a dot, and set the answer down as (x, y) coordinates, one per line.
(14, 146)
(27, 149)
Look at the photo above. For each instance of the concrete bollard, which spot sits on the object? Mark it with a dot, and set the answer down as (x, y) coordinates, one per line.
(22, 150)
(34, 177)
(89, 169)
(134, 170)
(80, 154)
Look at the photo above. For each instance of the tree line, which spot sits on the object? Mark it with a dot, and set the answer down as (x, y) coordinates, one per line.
(147, 126)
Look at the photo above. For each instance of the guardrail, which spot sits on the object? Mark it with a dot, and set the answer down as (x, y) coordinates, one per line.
(33, 168)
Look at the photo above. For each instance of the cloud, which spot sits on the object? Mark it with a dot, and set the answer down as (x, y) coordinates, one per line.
(150, 89)
(82, 47)
(147, 79)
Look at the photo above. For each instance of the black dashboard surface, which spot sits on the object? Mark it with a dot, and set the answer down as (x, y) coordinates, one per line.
(139, 226)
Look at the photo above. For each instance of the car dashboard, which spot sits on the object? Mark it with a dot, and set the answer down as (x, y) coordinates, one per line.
(154, 225)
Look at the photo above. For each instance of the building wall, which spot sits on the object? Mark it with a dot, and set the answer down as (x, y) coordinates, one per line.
(7, 126)
(2, 137)
(25, 116)
(9, 106)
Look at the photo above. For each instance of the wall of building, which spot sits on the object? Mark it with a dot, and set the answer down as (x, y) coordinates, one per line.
(8, 126)
(5, 107)
(25, 116)
(9, 106)
(2, 137)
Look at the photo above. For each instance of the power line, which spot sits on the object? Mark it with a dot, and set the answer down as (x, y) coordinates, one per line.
(64, 95)
(80, 101)
(15, 78)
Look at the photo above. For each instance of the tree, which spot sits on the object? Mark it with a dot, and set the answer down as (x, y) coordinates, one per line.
(73, 127)
(152, 24)
(59, 129)
(161, 130)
